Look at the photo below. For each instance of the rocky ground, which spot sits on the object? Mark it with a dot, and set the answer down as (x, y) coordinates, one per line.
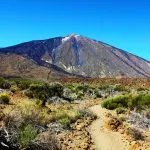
(92, 134)
(115, 136)
(105, 139)
(79, 138)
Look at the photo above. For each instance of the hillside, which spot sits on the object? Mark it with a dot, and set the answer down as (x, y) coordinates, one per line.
(14, 65)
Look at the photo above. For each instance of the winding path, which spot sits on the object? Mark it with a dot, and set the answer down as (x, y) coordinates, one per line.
(105, 140)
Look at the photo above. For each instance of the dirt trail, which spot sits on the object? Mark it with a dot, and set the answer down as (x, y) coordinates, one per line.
(105, 140)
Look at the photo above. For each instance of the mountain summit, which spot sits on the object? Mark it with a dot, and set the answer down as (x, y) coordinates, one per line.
(79, 55)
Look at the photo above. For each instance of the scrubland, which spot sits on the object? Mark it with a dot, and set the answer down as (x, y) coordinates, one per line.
(39, 115)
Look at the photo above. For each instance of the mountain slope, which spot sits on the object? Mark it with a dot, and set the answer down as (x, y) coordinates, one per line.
(13, 65)
(82, 56)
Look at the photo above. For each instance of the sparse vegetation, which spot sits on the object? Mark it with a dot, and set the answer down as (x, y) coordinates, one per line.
(78, 91)
(115, 87)
(30, 125)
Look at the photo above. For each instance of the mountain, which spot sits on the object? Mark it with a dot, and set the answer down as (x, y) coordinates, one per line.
(74, 55)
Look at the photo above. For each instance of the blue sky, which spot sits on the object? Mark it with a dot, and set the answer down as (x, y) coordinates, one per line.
(124, 24)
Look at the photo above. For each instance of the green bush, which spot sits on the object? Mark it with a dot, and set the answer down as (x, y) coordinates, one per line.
(121, 88)
(141, 89)
(43, 91)
(139, 101)
(67, 119)
(127, 101)
(80, 94)
(4, 84)
(4, 98)
(120, 110)
(117, 87)
(106, 87)
(119, 101)
(71, 87)
(39, 91)
(65, 122)
(84, 113)
(56, 89)
(23, 83)
(97, 94)
(14, 88)
(26, 135)
(82, 87)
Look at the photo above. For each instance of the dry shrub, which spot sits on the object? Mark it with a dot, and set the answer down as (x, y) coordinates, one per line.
(140, 119)
(26, 112)
(30, 112)
(134, 133)
(45, 141)
(113, 124)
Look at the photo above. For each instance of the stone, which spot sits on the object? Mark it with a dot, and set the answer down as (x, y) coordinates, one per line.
(84, 146)
(135, 145)
(121, 131)
(113, 124)
(79, 137)
(80, 126)
(1, 124)
(78, 121)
